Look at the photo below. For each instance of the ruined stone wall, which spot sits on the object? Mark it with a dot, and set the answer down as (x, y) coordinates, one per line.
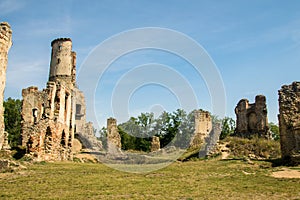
(46, 122)
(251, 119)
(48, 116)
(203, 126)
(84, 130)
(211, 141)
(155, 144)
(289, 121)
(80, 111)
(113, 137)
(5, 44)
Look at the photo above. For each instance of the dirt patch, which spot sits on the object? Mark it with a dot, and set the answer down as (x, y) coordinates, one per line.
(84, 157)
(286, 173)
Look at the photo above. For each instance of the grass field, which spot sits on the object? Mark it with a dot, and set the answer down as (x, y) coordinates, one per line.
(212, 179)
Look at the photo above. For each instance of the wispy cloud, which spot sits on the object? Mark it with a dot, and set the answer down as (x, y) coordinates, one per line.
(38, 27)
(23, 74)
(9, 6)
(288, 32)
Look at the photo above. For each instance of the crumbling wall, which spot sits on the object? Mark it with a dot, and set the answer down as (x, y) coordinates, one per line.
(211, 141)
(46, 122)
(251, 119)
(48, 116)
(155, 144)
(84, 130)
(113, 137)
(203, 126)
(289, 121)
(5, 44)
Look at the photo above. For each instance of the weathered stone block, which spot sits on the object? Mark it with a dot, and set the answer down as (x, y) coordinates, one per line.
(251, 119)
(5, 44)
(113, 137)
(203, 126)
(289, 122)
(155, 144)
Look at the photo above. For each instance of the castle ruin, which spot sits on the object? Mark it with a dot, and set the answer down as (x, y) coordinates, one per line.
(203, 126)
(251, 118)
(48, 116)
(5, 44)
(289, 122)
(113, 137)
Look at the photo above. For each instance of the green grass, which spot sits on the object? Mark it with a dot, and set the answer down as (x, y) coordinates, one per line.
(204, 179)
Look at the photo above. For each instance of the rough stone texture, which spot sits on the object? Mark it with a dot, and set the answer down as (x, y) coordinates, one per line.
(155, 144)
(113, 137)
(289, 121)
(77, 146)
(5, 44)
(203, 126)
(48, 116)
(251, 119)
(211, 141)
(84, 131)
(5, 143)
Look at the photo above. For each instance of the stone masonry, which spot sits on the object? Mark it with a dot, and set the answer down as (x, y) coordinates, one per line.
(113, 137)
(155, 144)
(48, 117)
(5, 44)
(289, 122)
(203, 126)
(251, 119)
(84, 130)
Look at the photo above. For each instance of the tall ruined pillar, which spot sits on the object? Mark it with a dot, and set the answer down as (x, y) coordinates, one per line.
(5, 44)
(289, 122)
(203, 126)
(113, 137)
(262, 116)
(241, 117)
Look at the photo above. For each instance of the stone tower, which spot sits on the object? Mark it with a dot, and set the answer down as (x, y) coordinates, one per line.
(113, 137)
(5, 44)
(48, 115)
(251, 118)
(289, 122)
(203, 126)
(63, 61)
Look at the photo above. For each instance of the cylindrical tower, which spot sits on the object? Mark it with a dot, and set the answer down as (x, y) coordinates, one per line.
(111, 123)
(62, 60)
(5, 44)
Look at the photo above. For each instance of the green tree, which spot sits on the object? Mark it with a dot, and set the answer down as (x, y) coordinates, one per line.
(12, 120)
(186, 128)
(168, 128)
(102, 136)
(274, 131)
(136, 132)
(228, 127)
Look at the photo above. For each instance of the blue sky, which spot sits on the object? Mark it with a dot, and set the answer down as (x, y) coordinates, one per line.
(254, 44)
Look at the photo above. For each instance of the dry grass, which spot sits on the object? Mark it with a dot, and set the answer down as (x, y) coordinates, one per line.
(261, 148)
(211, 179)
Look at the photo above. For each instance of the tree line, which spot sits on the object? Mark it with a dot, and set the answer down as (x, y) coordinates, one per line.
(173, 128)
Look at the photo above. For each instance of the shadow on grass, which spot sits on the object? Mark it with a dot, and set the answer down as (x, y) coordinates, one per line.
(275, 162)
(18, 152)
